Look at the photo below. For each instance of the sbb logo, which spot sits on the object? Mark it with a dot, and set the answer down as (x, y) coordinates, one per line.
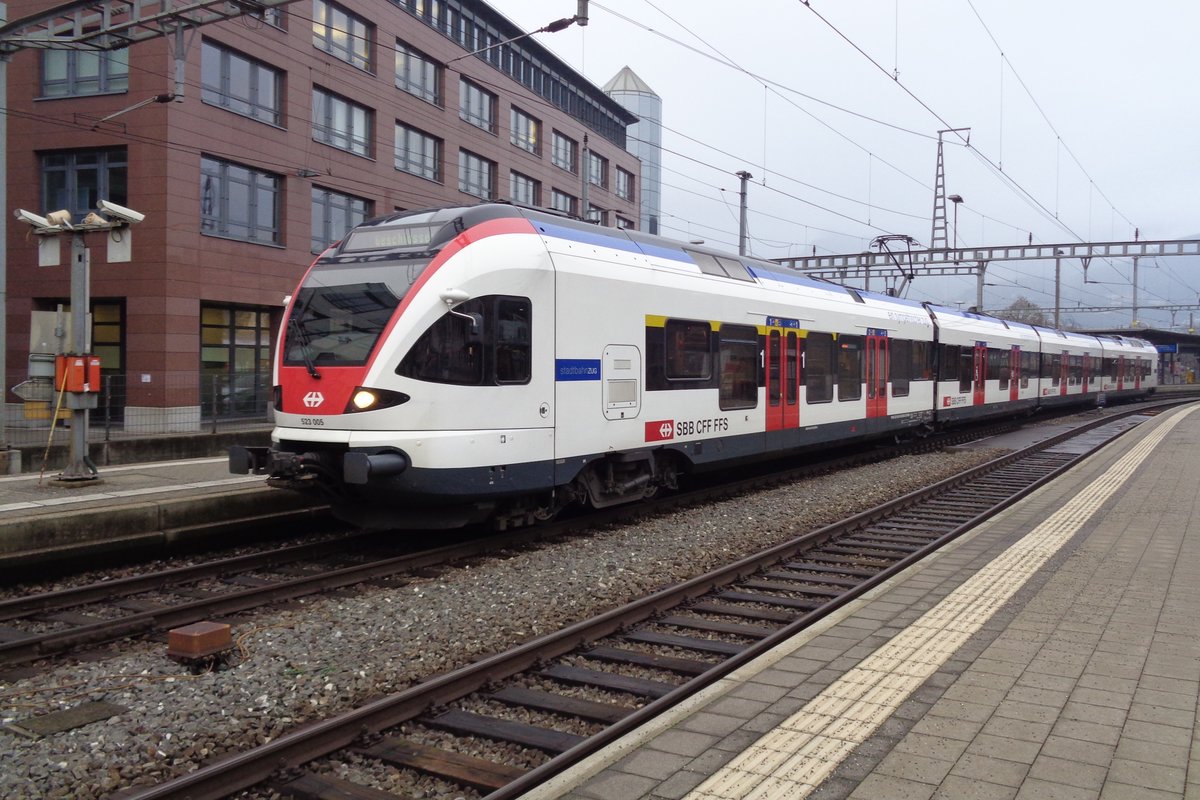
(661, 429)
(313, 399)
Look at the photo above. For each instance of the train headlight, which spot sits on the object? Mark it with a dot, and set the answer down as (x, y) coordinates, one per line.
(367, 399)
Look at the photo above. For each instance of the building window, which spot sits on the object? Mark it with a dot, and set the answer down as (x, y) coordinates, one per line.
(272, 16)
(476, 105)
(625, 224)
(564, 152)
(563, 202)
(239, 202)
(342, 34)
(524, 189)
(239, 84)
(526, 131)
(342, 124)
(418, 74)
(334, 214)
(67, 73)
(598, 170)
(597, 214)
(235, 360)
(476, 175)
(77, 179)
(418, 153)
(624, 184)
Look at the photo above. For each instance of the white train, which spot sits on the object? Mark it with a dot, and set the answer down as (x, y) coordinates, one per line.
(446, 366)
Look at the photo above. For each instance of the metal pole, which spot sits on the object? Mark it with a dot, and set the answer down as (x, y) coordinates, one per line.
(77, 466)
(1135, 297)
(584, 168)
(743, 234)
(3, 238)
(1057, 289)
(979, 285)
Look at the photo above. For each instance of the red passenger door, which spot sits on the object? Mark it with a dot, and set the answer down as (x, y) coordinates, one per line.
(791, 380)
(773, 362)
(1014, 372)
(877, 373)
(980, 373)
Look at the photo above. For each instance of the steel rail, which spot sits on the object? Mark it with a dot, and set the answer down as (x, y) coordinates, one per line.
(245, 769)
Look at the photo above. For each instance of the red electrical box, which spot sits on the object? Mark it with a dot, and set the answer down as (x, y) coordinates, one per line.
(77, 373)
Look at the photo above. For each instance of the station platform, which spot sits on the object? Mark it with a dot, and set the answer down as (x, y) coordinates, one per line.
(133, 505)
(1053, 652)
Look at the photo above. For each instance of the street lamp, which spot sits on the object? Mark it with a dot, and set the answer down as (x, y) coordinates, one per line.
(956, 199)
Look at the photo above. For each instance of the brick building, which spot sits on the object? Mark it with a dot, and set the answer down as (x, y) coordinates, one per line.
(296, 124)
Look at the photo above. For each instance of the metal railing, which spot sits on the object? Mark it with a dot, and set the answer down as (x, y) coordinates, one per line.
(143, 405)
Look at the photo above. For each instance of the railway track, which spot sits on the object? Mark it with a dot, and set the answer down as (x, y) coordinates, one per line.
(60, 622)
(561, 697)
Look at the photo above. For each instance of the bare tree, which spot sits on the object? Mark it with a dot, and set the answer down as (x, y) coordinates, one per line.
(1022, 310)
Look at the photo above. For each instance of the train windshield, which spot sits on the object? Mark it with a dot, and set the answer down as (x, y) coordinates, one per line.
(341, 310)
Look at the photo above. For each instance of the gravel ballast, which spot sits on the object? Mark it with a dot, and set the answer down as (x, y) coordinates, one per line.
(316, 657)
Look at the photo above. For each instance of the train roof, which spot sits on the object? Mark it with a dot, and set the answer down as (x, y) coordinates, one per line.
(411, 233)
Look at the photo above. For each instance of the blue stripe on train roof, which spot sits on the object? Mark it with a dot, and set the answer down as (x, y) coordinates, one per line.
(787, 276)
(616, 242)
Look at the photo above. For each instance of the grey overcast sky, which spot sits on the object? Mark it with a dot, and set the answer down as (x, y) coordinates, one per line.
(1083, 117)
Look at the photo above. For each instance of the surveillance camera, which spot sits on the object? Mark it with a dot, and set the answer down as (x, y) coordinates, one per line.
(120, 212)
(31, 218)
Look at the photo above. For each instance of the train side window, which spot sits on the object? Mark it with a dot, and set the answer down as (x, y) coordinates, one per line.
(922, 362)
(818, 367)
(688, 351)
(1053, 366)
(966, 368)
(948, 363)
(512, 340)
(1029, 367)
(738, 360)
(901, 364)
(486, 341)
(849, 367)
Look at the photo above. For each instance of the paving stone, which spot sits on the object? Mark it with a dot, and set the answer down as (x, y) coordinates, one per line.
(914, 768)
(886, 787)
(1072, 773)
(683, 743)
(1003, 747)
(610, 783)
(1152, 752)
(1149, 776)
(992, 770)
(652, 763)
(712, 724)
(932, 746)
(1034, 789)
(956, 787)
(1078, 750)
(678, 785)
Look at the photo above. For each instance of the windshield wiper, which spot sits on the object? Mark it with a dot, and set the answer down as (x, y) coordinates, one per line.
(303, 337)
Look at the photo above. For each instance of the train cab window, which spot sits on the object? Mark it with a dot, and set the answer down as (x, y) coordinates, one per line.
(901, 367)
(818, 367)
(482, 342)
(850, 367)
(737, 355)
(688, 350)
